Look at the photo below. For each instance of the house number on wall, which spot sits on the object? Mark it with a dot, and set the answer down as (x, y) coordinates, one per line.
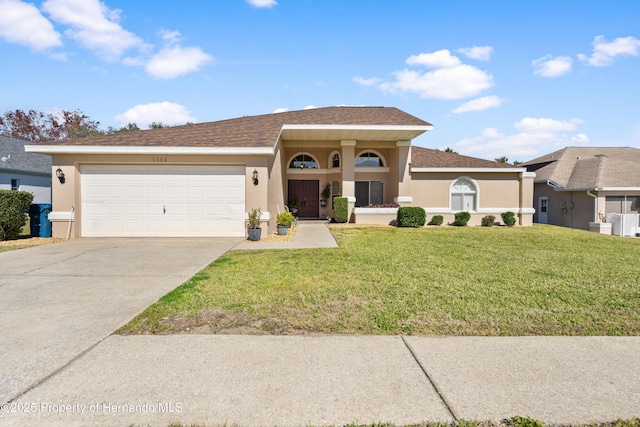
(160, 160)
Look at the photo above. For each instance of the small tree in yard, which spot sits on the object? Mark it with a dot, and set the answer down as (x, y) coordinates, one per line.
(14, 208)
(341, 209)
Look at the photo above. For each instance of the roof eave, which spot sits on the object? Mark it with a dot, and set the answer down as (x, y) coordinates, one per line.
(468, 170)
(112, 149)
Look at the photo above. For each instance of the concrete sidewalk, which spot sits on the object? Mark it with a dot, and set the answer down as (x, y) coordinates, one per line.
(310, 234)
(334, 380)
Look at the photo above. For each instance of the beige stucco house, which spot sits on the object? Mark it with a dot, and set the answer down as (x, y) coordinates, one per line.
(578, 186)
(202, 179)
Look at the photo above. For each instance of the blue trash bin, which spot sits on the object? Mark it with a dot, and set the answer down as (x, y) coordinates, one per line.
(34, 220)
(45, 223)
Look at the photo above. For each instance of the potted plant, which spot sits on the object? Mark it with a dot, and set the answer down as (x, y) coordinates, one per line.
(292, 204)
(325, 194)
(254, 231)
(283, 221)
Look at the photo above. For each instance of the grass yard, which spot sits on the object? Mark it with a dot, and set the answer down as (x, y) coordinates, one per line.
(539, 280)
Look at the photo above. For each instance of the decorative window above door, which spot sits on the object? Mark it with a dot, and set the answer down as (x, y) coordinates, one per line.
(303, 161)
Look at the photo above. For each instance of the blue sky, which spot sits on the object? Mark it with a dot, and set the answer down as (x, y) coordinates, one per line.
(495, 78)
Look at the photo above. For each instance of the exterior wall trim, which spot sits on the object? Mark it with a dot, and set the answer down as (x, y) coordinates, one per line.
(448, 210)
(357, 127)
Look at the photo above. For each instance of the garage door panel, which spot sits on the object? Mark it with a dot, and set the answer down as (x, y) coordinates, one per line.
(131, 201)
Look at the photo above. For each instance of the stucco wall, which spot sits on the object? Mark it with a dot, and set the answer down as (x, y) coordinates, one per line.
(572, 209)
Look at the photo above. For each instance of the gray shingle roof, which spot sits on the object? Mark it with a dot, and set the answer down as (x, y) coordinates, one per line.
(589, 167)
(427, 158)
(250, 131)
(14, 158)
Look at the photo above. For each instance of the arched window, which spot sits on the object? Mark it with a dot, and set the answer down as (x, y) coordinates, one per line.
(303, 161)
(335, 160)
(463, 195)
(369, 159)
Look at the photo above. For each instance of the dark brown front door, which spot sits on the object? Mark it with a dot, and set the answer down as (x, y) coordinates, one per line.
(307, 193)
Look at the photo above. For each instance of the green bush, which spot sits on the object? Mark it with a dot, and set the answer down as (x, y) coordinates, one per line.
(436, 220)
(284, 218)
(461, 219)
(509, 218)
(488, 221)
(340, 209)
(14, 211)
(411, 216)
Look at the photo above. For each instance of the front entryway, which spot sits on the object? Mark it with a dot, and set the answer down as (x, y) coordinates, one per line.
(307, 195)
(543, 207)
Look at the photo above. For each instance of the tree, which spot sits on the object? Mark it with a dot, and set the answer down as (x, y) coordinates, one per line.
(450, 150)
(129, 127)
(502, 159)
(37, 126)
(158, 125)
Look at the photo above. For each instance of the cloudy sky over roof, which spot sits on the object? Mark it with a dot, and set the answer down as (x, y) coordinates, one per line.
(495, 78)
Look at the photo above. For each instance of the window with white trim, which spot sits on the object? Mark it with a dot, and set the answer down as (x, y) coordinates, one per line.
(369, 193)
(369, 159)
(303, 161)
(463, 195)
(335, 160)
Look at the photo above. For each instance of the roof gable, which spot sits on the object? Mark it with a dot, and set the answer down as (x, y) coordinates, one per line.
(589, 167)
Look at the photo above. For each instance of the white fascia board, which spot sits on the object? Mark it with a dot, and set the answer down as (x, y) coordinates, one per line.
(356, 127)
(617, 189)
(111, 149)
(469, 170)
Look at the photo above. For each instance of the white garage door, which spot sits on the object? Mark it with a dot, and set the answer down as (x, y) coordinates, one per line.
(163, 201)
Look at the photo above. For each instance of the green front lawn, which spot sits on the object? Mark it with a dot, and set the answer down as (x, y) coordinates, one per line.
(539, 280)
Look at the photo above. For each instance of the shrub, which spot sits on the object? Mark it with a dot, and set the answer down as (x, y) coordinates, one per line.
(254, 218)
(436, 220)
(14, 208)
(411, 216)
(509, 218)
(488, 221)
(284, 218)
(340, 209)
(461, 219)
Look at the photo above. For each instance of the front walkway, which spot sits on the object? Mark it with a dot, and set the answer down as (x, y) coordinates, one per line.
(310, 234)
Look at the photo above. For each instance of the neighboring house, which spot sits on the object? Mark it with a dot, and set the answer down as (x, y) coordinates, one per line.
(202, 179)
(24, 171)
(578, 185)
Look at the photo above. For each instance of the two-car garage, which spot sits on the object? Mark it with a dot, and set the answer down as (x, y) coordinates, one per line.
(162, 201)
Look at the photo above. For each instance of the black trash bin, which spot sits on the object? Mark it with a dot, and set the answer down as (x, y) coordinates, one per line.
(40, 226)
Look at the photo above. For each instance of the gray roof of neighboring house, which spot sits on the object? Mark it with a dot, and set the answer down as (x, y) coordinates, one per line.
(428, 158)
(589, 167)
(14, 158)
(250, 131)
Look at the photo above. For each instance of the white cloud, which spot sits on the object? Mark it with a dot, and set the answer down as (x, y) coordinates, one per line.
(463, 81)
(169, 113)
(450, 80)
(479, 104)
(23, 23)
(310, 107)
(604, 53)
(281, 110)
(551, 67)
(531, 124)
(94, 26)
(439, 59)
(170, 37)
(262, 3)
(367, 82)
(177, 61)
(534, 137)
(481, 53)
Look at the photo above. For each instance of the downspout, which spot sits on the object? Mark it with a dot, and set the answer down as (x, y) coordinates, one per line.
(595, 205)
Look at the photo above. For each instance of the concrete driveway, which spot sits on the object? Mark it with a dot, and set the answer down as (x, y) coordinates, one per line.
(58, 301)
